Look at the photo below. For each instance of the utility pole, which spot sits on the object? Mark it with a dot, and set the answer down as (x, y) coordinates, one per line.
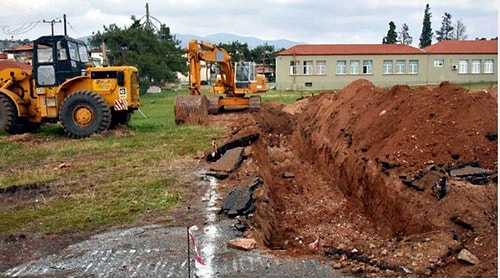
(65, 29)
(52, 23)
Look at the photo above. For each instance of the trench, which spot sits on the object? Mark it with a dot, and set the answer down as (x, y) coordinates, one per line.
(353, 192)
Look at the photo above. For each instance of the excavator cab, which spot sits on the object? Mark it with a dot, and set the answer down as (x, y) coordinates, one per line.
(245, 73)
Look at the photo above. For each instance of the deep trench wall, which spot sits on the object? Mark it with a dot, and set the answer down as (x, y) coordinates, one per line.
(265, 215)
(382, 198)
(325, 136)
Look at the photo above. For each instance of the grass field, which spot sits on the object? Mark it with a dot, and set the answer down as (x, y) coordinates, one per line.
(51, 183)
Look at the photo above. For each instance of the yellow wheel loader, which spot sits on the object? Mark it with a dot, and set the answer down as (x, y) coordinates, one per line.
(235, 81)
(64, 86)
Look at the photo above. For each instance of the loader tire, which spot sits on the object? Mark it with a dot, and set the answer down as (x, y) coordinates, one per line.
(8, 116)
(84, 113)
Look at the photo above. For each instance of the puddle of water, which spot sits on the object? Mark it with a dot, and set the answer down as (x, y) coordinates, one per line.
(210, 231)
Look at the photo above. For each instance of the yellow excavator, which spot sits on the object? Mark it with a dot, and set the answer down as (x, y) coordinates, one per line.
(235, 81)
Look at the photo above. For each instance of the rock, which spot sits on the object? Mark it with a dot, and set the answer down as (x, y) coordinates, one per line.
(217, 174)
(468, 257)
(288, 175)
(491, 136)
(246, 244)
(428, 181)
(337, 265)
(461, 222)
(241, 227)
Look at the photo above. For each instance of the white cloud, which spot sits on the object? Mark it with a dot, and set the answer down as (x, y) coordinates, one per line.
(320, 21)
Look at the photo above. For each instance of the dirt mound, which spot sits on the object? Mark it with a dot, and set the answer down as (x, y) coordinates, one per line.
(349, 154)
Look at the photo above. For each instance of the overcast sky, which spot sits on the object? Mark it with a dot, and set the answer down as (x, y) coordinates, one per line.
(308, 21)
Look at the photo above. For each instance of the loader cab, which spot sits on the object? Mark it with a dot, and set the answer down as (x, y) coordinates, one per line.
(58, 58)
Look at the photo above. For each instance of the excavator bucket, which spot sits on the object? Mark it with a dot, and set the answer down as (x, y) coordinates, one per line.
(191, 109)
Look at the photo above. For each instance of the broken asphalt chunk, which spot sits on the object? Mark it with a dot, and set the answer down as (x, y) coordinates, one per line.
(229, 162)
(241, 142)
(239, 201)
(470, 171)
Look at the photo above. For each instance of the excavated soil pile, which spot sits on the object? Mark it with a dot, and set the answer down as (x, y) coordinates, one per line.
(368, 171)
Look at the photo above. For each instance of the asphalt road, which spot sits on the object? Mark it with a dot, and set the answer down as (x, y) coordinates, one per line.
(157, 251)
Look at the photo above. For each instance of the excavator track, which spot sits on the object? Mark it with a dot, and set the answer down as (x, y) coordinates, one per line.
(213, 105)
(254, 103)
(191, 109)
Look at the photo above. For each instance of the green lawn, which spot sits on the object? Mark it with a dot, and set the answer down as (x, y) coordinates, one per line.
(69, 185)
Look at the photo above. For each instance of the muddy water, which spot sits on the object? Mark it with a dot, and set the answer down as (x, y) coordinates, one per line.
(159, 251)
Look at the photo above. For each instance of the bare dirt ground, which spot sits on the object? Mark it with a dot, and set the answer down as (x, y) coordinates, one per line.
(349, 157)
(350, 153)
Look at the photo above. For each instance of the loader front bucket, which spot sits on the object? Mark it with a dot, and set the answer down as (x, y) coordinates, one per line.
(191, 109)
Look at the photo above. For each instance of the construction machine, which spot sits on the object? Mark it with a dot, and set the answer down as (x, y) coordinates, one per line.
(235, 81)
(64, 86)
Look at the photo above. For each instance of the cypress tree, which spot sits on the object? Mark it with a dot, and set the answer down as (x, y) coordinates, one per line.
(392, 35)
(426, 35)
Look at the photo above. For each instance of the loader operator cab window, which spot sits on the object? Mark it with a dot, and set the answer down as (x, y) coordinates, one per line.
(44, 54)
(61, 51)
(45, 72)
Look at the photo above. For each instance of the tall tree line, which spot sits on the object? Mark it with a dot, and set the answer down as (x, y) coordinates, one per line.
(157, 53)
(449, 30)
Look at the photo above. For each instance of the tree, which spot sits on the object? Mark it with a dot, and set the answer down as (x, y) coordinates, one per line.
(426, 35)
(459, 31)
(446, 30)
(157, 54)
(404, 37)
(392, 36)
(237, 50)
(264, 54)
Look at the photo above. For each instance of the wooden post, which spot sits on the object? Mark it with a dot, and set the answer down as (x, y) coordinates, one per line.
(188, 253)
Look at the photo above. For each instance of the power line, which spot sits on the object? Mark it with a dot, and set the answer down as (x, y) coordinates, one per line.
(19, 29)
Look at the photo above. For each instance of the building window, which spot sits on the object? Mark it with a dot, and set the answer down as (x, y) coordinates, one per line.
(413, 67)
(354, 66)
(387, 66)
(438, 62)
(308, 84)
(463, 66)
(341, 67)
(308, 67)
(488, 66)
(294, 67)
(367, 67)
(400, 66)
(476, 66)
(321, 67)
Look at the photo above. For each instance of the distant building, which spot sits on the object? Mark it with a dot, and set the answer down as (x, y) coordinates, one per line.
(332, 66)
(23, 53)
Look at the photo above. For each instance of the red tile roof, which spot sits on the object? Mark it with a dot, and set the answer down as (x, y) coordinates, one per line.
(350, 49)
(22, 48)
(464, 47)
